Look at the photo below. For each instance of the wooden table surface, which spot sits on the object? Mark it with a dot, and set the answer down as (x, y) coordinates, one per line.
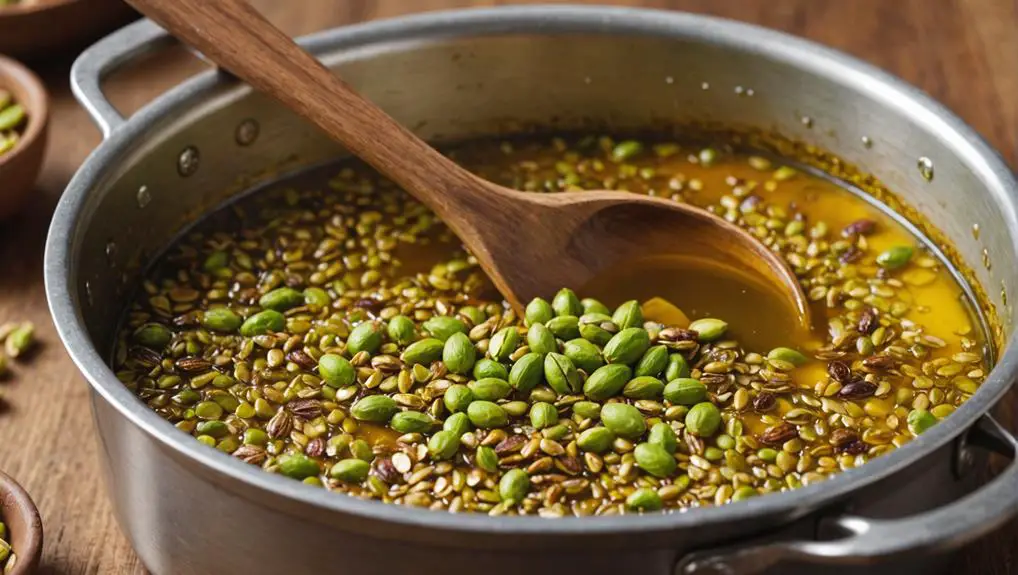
(963, 52)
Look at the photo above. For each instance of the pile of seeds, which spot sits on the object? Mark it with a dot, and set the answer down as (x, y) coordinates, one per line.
(7, 555)
(12, 118)
(299, 332)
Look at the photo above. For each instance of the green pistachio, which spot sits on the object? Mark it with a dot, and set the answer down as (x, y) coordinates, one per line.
(787, 354)
(513, 486)
(623, 420)
(317, 296)
(654, 459)
(487, 415)
(486, 459)
(565, 327)
(606, 381)
(543, 415)
(703, 419)
(411, 422)
(685, 391)
(662, 434)
(350, 470)
(919, 420)
(489, 368)
(442, 326)
(281, 299)
(644, 499)
(528, 372)
(561, 374)
(366, 336)
(459, 354)
(457, 397)
(628, 315)
(401, 330)
(490, 389)
(627, 346)
(153, 336)
(503, 343)
(596, 439)
(221, 319)
(216, 260)
(653, 362)
(374, 408)
(643, 387)
(540, 339)
(336, 370)
(709, 329)
(457, 423)
(587, 409)
(566, 303)
(443, 445)
(538, 311)
(584, 355)
(626, 150)
(591, 305)
(896, 257)
(298, 466)
(473, 314)
(677, 367)
(423, 351)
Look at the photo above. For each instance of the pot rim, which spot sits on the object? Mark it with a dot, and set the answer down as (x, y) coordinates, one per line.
(61, 278)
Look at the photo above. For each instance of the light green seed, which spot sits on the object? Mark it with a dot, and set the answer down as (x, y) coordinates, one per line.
(628, 315)
(459, 354)
(644, 499)
(566, 303)
(538, 311)
(709, 329)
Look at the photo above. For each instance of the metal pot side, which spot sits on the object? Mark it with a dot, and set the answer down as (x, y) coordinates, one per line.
(450, 75)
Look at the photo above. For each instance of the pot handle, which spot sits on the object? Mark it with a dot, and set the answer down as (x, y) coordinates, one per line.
(871, 540)
(105, 57)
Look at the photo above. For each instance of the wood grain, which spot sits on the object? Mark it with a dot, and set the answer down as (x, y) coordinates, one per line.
(962, 52)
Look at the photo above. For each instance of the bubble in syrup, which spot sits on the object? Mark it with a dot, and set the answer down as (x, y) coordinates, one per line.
(926, 168)
(867, 142)
(669, 80)
(705, 86)
(975, 231)
(144, 196)
(986, 260)
(806, 121)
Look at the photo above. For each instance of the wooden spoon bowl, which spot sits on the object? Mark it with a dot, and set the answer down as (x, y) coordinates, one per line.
(24, 526)
(528, 244)
(19, 167)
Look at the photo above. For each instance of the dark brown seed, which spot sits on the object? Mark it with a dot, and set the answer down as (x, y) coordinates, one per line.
(280, 425)
(315, 448)
(839, 371)
(677, 334)
(193, 364)
(369, 304)
(715, 380)
(250, 454)
(850, 255)
(854, 448)
(857, 389)
(868, 321)
(570, 464)
(859, 228)
(145, 356)
(779, 434)
(301, 358)
(879, 362)
(510, 444)
(386, 471)
(764, 402)
(841, 437)
(305, 408)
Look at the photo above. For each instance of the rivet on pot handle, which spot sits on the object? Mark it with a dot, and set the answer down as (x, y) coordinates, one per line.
(872, 540)
(106, 56)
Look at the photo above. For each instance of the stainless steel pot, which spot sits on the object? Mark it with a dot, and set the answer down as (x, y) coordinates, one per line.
(189, 509)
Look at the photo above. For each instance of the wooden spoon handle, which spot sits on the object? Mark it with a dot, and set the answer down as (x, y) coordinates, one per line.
(234, 35)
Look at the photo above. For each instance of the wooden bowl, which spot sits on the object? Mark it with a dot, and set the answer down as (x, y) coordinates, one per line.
(44, 28)
(19, 167)
(24, 526)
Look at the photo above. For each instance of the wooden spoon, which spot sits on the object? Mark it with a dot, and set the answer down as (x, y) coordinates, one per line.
(529, 244)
